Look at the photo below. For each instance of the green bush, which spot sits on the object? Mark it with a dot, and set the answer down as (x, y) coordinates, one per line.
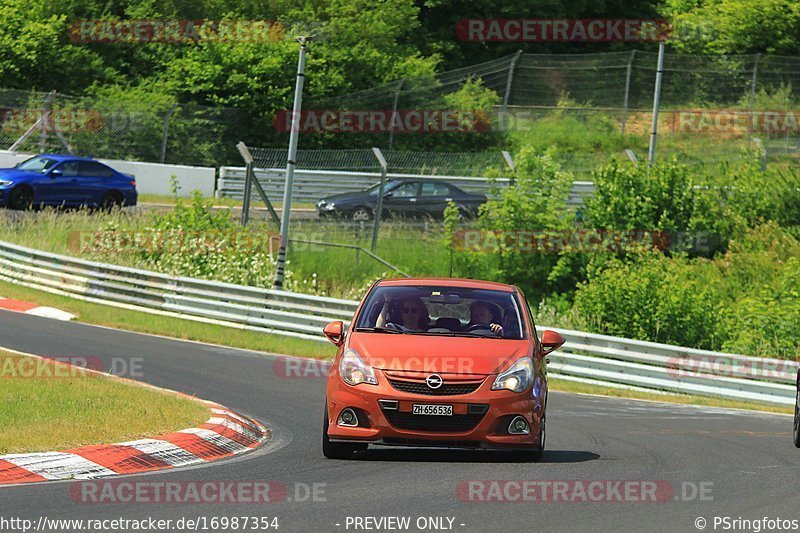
(761, 284)
(536, 202)
(628, 197)
(673, 300)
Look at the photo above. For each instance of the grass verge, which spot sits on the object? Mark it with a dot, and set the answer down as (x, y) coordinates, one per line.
(51, 406)
(214, 334)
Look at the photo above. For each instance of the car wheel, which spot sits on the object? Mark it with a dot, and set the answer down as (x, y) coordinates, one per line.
(337, 450)
(111, 200)
(797, 413)
(20, 198)
(361, 214)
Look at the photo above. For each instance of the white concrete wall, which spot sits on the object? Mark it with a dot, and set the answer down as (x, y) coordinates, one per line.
(151, 178)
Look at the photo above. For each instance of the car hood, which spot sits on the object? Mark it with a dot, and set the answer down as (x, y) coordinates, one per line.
(440, 354)
(345, 196)
(16, 174)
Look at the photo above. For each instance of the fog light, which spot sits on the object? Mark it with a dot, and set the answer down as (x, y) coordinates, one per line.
(348, 418)
(519, 426)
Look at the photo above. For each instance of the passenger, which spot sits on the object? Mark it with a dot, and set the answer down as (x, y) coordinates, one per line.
(484, 313)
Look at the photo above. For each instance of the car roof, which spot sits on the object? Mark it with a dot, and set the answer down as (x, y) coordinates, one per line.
(65, 157)
(449, 282)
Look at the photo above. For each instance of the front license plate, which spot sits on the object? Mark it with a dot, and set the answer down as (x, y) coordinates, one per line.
(435, 410)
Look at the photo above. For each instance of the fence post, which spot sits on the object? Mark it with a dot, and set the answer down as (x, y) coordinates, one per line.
(627, 92)
(752, 99)
(47, 105)
(167, 116)
(651, 156)
(379, 206)
(394, 112)
(511, 67)
(511, 165)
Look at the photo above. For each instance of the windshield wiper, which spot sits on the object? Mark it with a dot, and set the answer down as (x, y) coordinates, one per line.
(379, 330)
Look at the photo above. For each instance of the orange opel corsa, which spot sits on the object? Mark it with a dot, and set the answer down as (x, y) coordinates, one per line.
(438, 362)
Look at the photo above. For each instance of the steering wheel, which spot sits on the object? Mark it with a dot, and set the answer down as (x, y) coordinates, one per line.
(475, 327)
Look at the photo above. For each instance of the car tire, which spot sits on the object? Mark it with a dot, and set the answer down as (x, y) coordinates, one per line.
(20, 198)
(111, 200)
(337, 450)
(361, 214)
(538, 452)
(797, 413)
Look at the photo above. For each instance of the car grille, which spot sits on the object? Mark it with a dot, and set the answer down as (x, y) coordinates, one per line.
(434, 424)
(447, 389)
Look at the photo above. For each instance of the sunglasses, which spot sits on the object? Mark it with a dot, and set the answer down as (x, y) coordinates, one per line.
(410, 310)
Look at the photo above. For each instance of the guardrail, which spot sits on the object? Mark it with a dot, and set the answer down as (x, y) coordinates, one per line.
(586, 357)
(312, 185)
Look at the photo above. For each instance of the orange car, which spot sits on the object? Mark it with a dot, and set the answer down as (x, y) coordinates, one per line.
(438, 362)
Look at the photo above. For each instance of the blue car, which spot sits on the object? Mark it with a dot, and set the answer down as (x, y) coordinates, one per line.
(65, 180)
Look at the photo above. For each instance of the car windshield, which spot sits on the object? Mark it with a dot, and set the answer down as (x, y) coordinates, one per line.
(373, 191)
(446, 311)
(37, 164)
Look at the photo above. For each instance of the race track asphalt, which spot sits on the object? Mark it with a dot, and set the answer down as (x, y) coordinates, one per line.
(745, 462)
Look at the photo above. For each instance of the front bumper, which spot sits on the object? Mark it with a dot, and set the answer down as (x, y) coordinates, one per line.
(480, 418)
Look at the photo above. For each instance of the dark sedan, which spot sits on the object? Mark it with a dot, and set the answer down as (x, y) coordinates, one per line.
(402, 198)
(65, 180)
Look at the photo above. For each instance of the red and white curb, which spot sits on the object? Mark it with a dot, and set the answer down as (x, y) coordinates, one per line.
(34, 309)
(225, 434)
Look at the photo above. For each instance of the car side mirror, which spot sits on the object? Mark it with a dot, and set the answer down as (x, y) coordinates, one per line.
(56, 173)
(551, 340)
(334, 331)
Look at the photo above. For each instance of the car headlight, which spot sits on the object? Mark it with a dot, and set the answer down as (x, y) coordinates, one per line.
(354, 371)
(4, 183)
(329, 206)
(517, 378)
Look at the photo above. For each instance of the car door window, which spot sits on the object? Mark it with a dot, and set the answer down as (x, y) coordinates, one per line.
(435, 189)
(406, 190)
(69, 169)
(93, 169)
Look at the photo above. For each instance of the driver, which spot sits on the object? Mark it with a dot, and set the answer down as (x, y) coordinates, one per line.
(411, 313)
(483, 313)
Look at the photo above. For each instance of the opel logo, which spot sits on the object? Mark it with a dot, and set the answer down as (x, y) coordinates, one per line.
(434, 381)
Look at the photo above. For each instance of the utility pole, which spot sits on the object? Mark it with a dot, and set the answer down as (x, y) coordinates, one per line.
(651, 156)
(286, 209)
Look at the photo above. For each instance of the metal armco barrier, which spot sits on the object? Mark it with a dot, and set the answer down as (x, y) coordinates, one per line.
(312, 185)
(585, 357)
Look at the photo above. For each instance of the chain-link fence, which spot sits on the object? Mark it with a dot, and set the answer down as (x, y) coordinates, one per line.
(153, 131)
(712, 108)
